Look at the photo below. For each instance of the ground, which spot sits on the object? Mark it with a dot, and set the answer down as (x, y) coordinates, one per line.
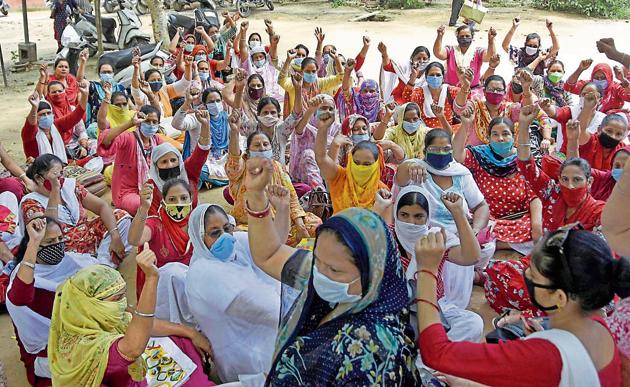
(295, 24)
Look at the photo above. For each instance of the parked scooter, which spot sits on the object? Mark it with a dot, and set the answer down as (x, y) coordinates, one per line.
(129, 34)
(112, 5)
(121, 62)
(204, 17)
(142, 7)
(73, 44)
(244, 7)
(179, 5)
(4, 7)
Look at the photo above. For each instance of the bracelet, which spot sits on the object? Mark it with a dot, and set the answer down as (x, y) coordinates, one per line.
(43, 83)
(107, 101)
(22, 176)
(411, 84)
(28, 264)
(260, 214)
(415, 276)
(140, 314)
(493, 68)
(114, 229)
(417, 300)
(204, 138)
(52, 207)
(525, 145)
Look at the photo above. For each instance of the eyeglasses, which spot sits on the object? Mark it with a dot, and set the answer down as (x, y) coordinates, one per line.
(439, 149)
(556, 240)
(214, 234)
(498, 91)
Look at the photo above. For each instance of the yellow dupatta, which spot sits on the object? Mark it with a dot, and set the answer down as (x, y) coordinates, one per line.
(413, 145)
(346, 193)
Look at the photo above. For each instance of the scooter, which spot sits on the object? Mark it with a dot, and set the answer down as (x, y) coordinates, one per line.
(142, 8)
(4, 7)
(244, 7)
(179, 5)
(204, 17)
(129, 34)
(73, 44)
(112, 5)
(121, 62)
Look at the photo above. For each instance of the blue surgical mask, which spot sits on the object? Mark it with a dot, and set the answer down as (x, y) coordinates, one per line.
(189, 47)
(204, 75)
(320, 112)
(200, 57)
(223, 248)
(439, 160)
(502, 148)
(45, 122)
(105, 77)
(326, 58)
(214, 108)
(264, 154)
(357, 138)
(298, 61)
(435, 81)
(310, 77)
(602, 85)
(333, 291)
(616, 173)
(260, 63)
(411, 127)
(148, 130)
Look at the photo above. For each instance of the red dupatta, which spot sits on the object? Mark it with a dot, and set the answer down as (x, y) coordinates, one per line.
(588, 213)
(598, 160)
(177, 235)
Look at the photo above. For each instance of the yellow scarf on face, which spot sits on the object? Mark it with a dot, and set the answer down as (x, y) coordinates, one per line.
(117, 116)
(355, 194)
(83, 327)
(413, 144)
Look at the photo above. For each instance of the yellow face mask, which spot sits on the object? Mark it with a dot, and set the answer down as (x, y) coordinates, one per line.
(177, 212)
(362, 174)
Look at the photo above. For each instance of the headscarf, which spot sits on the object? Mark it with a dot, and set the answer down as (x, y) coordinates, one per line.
(117, 116)
(351, 194)
(196, 231)
(84, 327)
(60, 104)
(157, 153)
(411, 148)
(219, 134)
(362, 343)
(368, 107)
(198, 48)
(597, 158)
(483, 118)
(588, 213)
(348, 123)
(493, 163)
(602, 187)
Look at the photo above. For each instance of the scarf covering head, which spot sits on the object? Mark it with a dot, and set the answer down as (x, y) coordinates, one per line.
(60, 104)
(348, 123)
(157, 153)
(219, 134)
(411, 148)
(196, 231)
(117, 116)
(492, 163)
(367, 106)
(363, 343)
(354, 195)
(84, 327)
(409, 244)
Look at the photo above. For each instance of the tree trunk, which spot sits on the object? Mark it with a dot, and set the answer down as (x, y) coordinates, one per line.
(158, 21)
(99, 27)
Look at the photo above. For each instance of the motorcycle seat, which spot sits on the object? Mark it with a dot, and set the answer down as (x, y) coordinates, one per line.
(108, 23)
(122, 58)
(181, 21)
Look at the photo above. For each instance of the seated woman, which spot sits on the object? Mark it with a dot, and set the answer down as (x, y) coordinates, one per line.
(95, 340)
(614, 95)
(43, 264)
(599, 148)
(18, 183)
(573, 274)
(409, 131)
(349, 298)
(43, 132)
(395, 75)
(166, 231)
(365, 100)
(105, 71)
(61, 74)
(68, 201)
(357, 184)
(412, 213)
(232, 300)
(514, 207)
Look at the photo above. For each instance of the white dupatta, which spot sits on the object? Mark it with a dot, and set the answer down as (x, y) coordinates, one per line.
(69, 210)
(58, 148)
(428, 99)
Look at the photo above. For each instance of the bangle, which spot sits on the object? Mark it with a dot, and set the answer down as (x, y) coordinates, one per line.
(140, 314)
(204, 138)
(260, 214)
(493, 68)
(114, 229)
(107, 101)
(432, 274)
(525, 145)
(28, 264)
(411, 84)
(22, 176)
(417, 300)
(43, 83)
(52, 207)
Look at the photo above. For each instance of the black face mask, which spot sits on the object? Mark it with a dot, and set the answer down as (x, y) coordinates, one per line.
(531, 286)
(516, 88)
(606, 141)
(464, 41)
(169, 173)
(52, 254)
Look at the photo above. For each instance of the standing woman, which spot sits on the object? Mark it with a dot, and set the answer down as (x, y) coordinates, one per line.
(350, 323)
(62, 10)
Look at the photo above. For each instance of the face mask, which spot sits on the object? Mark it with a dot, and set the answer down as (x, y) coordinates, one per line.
(616, 173)
(255, 94)
(200, 57)
(494, 98)
(45, 122)
(502, 148)
(223, 248)
(530, 289)
(602, 84)
(52, 254)
(357, 138)
(268, 120)
(264, 154)
(298, 61)
(516, 88)
(204, 75)
(464, 42)
(148, 130)
(333, 291)
(214, 108)
(606, 141)
(254, 43)
(320, 112)
(555, 77)
(439, 160)
(410, 232)
(310, 77)
(48, 186)
(169, 173)
(177, 212)
(362, 174)
(435, 81)
(531, 50)
(260, 63)
(573, 196)
(411, 127)
(189, 47)
(109, 78)
(423, 66)
(155, 85)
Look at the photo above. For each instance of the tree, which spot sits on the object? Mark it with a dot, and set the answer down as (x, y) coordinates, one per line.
(158, 21)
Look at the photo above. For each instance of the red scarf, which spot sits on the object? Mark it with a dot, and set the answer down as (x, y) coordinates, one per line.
(598, 160)
(178, 236)
(60, 104)
(588, 214)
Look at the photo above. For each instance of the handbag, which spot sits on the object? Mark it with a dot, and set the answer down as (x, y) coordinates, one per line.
(471, 10)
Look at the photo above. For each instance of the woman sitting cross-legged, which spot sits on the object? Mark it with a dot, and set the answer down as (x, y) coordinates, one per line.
(97, 340)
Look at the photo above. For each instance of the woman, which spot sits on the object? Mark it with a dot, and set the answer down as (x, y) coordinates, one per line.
(599, 148)
(62, 10)
(516, 209)
(68, 201)
(554, 85)
(463, 55)
(258, 145)
(357, 184)
(61, 74)
(349, 325)
(166, 232)
(365, 101)
(409, 131)
(96, 341)
(233, 301)
(613, 94)
(42, 265)
(524, 56)
(605, 181)
(105, 72)
(255, 60)
(394, 76)
(573, 274)
(434, 91)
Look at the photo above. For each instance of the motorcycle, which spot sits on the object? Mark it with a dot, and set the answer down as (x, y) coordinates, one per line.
(4, 7)
(121, 62)
(73, 44)
(244, 7)
(179, 5)
(204, 17)
(129, 34)
(112, 5)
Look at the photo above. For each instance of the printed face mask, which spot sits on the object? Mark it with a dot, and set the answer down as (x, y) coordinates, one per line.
(602, 85)
(494, 98)
(169, 173)
(223, 248)
(177, 212)
(52, 254)
(255, 94)
(333, 291)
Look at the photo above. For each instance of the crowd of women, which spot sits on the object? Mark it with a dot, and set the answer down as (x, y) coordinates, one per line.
(363, 209)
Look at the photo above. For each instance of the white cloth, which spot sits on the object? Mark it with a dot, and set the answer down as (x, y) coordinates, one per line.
(103, 255)
(428, 99)
(172, 301)
(58, 147)
(577, 366)
(389, 80)
(593, 126)
(9, 200)
(69, 209)
(157, 153)
(236, 305)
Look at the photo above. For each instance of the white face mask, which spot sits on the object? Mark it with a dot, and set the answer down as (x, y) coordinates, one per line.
(408, 234)
(333, 291)
(268, 120)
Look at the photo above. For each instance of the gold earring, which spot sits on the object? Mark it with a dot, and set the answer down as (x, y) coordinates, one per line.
(559, 306)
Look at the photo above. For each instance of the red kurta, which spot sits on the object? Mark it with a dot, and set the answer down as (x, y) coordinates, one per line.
(65, 126)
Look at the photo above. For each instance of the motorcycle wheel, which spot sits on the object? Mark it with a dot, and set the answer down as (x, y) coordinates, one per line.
(4, 11)
(269, 4)
(109, 6)
(142, 8)
(243, 8)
